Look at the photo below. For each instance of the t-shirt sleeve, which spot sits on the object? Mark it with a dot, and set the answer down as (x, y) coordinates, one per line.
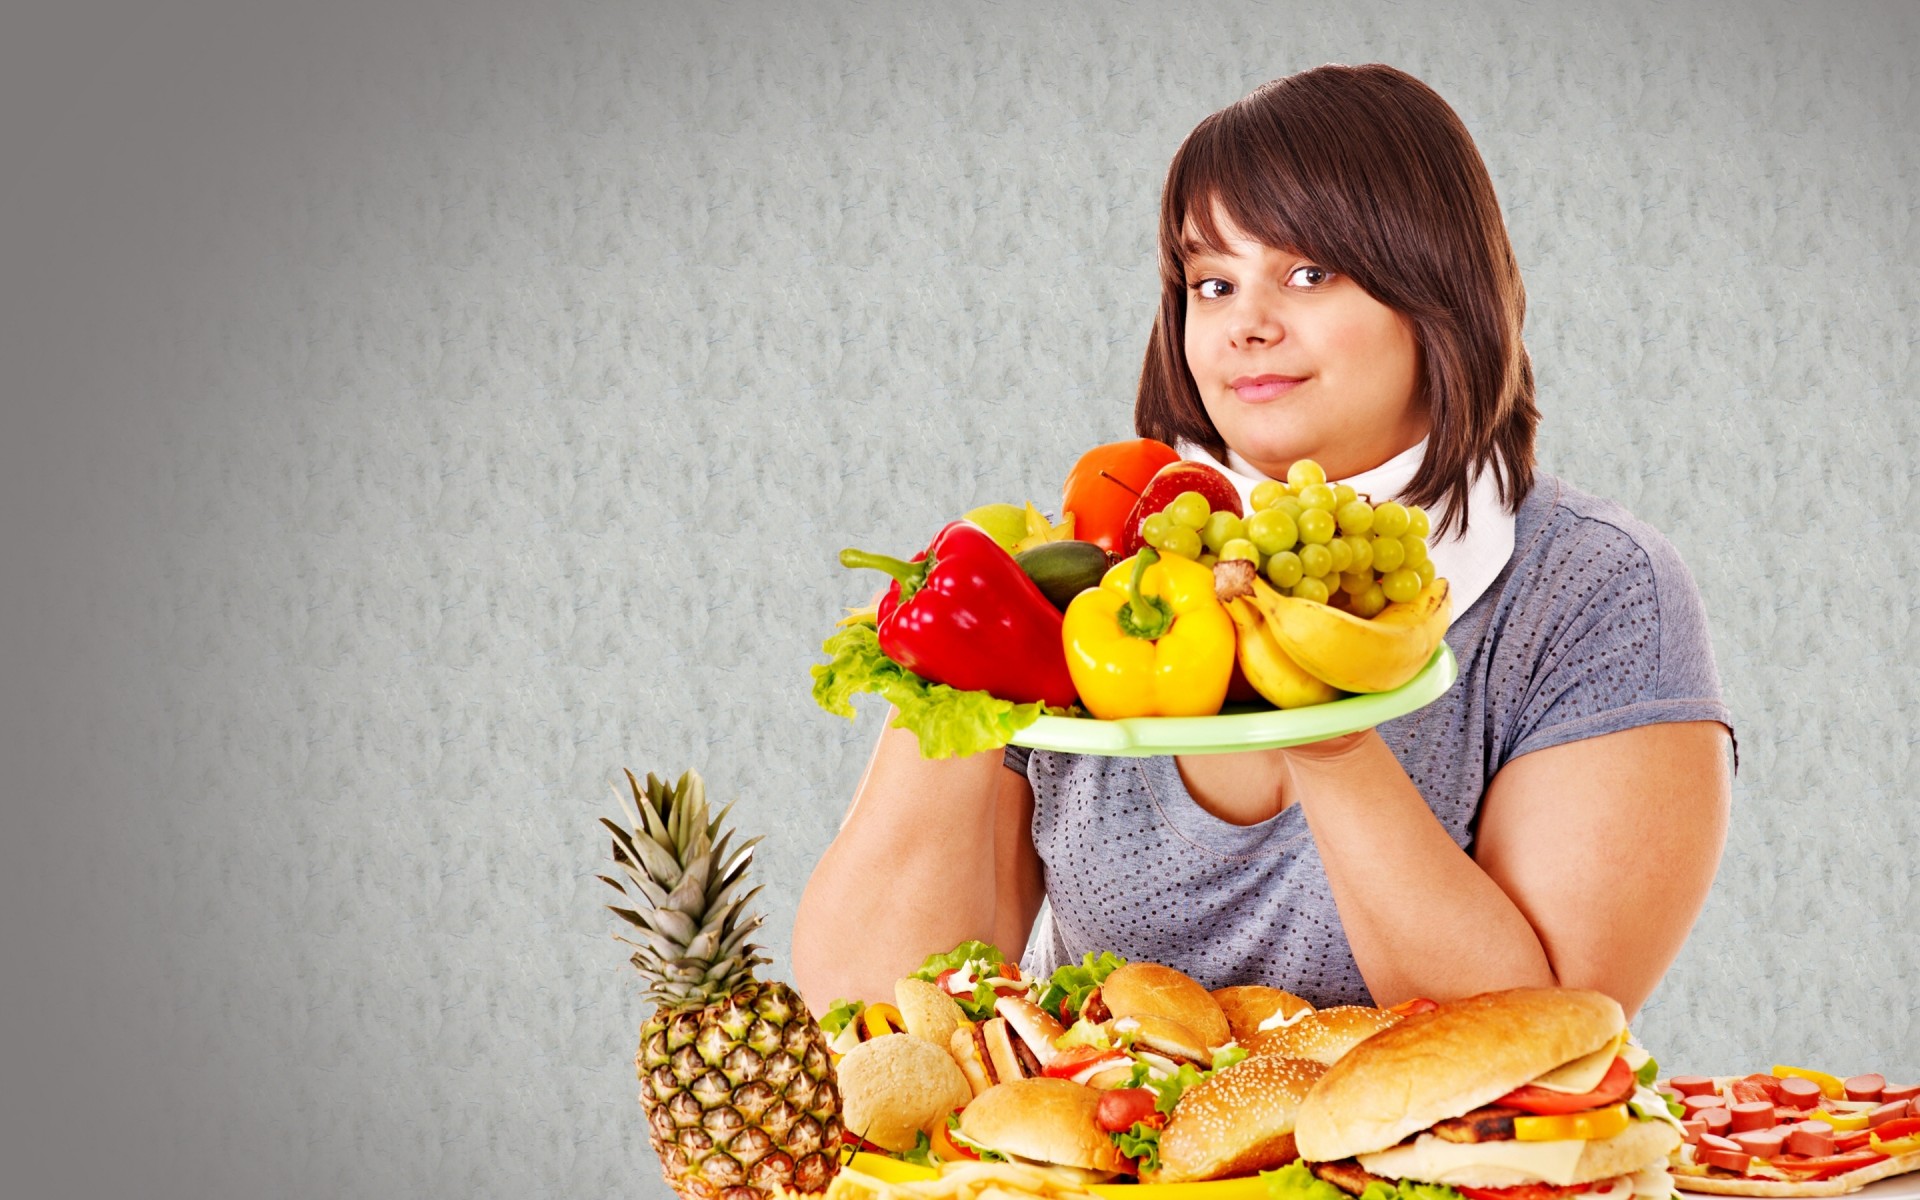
(1016, 759)
(1627, 646)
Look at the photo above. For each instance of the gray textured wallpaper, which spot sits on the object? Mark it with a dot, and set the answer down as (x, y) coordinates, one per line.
(416, 412)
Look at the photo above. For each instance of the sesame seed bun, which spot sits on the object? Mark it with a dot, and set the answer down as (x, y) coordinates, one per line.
(1145, 989)
(1248, 1005)
(1236, 1122)
(893, 1087)
(1323, 1036)
(928, 1013)
(1043, 1120)
(1443, 1063)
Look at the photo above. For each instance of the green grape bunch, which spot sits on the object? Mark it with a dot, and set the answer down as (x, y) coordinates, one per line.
(1311, 539)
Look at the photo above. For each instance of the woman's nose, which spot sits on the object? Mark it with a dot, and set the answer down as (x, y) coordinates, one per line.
(1256, 324)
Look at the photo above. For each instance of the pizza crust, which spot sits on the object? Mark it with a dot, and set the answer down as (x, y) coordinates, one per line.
(1839, 1185)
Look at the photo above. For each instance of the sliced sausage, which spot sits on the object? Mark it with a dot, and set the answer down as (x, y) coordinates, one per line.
(1799, 1093)
(1811, 1138)
(1719, 1152)
(1865, 1087)
(1755, 1114)
(1762, 1143)
(1887, 1112)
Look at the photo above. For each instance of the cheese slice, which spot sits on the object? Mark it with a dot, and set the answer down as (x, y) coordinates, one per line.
(1479, 1164)
(1583, 1074)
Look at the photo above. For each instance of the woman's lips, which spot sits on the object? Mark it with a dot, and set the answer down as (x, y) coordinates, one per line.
(1255, 388)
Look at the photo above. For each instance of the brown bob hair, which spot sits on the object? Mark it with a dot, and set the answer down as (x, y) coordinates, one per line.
(1367, 171)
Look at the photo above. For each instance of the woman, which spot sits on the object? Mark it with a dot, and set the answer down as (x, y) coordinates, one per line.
(1338, 285)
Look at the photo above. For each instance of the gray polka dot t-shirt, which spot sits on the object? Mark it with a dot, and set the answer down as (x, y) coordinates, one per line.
(1595, 626)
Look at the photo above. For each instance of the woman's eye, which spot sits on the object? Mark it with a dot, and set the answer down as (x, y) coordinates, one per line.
(1308, 276)
(1211, 289)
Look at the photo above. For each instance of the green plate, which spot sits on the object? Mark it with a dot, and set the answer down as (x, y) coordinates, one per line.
(1261, 729)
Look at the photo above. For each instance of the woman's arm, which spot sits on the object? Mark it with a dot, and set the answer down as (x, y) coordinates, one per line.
(1591, 861)
(932, 853)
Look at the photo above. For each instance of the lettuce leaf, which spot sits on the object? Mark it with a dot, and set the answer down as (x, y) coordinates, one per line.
(980, 1006)
(1073, 984)
(1295, 1182)
(842, 1014)
(922, 1153)
(1167, 1092)
(1141, 1143)
(1408, 1189)
(986, 1153)
(947, 721)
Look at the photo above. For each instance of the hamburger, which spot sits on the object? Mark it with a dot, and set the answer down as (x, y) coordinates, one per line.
(1041, 1122)
(1146, 989)
(1323, 1035)
(1252, 1009)
(1515, 1095)
(1235, 1122)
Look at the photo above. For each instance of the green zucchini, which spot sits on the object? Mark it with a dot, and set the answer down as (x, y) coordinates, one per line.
(1062, 570)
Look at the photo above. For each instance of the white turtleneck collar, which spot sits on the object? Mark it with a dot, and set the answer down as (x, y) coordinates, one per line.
(1468, 562)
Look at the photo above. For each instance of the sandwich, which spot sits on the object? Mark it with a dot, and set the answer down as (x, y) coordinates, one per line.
(1015, 1043)
(1041, 1122)
(1237, 1121)
(1323, 1035)
(1252, 1010)
(1146, 989)
(1527, 1094)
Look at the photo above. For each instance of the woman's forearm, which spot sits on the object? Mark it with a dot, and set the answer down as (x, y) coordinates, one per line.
(912, 871)
(1422, 917)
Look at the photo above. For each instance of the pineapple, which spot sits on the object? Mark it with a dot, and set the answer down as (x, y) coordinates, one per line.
(737, 1086)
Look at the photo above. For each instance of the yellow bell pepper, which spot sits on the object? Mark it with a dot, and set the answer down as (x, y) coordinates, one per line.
(1830, 1086)
(1150, 641)
(1580, 1126)
(881, 1020)
(1842, 1122)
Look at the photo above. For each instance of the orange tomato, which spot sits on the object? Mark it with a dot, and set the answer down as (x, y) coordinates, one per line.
(1104, 485)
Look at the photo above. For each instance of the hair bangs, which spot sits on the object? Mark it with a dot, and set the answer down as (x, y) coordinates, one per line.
(1238, 174)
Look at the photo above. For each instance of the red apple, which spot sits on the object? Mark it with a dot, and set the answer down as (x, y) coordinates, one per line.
(1169, 481)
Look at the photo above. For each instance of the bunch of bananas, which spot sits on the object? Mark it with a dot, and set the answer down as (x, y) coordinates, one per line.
(1298, 652)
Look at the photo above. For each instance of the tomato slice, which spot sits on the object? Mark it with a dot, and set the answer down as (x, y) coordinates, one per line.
(1525, 1191)
(1075, 1059)
(1826, 1166)
(1614, 1087)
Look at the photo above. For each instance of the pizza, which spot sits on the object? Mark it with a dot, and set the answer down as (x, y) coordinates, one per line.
(1792, 1132)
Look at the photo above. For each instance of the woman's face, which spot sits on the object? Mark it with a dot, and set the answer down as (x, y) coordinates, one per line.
(1293, 360)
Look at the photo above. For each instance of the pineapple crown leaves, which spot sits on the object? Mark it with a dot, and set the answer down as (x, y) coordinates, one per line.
(682, 881)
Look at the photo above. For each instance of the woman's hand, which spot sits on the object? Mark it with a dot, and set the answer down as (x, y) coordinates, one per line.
(1590, 862)
(932, 853)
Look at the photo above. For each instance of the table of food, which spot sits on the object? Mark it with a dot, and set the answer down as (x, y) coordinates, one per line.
(1162, 612)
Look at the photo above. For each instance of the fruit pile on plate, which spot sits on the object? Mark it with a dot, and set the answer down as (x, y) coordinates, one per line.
(1157, 595)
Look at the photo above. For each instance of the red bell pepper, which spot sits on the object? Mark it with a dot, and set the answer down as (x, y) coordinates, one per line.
(963, 613)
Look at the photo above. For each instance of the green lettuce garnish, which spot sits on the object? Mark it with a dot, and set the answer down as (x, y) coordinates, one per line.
(1073, 983)
(1141, 1143)
(842, 1014)
(1295, 1182)
(1648, 1072)
(947, 721)
(986, 1153)
(979, 1006)
(922, 1153)
(1408, 1189)
(1167, 1092)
